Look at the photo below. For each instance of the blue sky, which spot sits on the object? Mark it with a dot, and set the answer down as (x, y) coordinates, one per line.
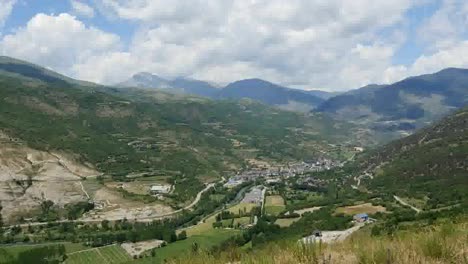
(330, 45)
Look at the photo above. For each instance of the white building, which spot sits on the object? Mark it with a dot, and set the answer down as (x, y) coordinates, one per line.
(160, 188)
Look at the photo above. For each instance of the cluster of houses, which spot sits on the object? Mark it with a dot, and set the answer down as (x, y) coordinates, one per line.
(312, 182)
(274, 174)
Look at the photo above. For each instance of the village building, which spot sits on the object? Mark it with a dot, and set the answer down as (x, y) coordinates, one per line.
(361, 218)
(160, 189)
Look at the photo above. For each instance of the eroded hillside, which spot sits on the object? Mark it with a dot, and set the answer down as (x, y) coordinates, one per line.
(29, 177)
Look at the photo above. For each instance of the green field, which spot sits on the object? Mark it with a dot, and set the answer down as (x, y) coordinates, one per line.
(236, 221)
(274, 205)
(17, 249)
(102, 255)
(205, 241)
(274, 209)
(286, 221)
(247, 207)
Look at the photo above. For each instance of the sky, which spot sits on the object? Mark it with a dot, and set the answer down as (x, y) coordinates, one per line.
(331, 45)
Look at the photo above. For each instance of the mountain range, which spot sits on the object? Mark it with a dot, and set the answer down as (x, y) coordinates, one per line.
(184, 139)
(405, 105)
(255, 89)
(388, 111)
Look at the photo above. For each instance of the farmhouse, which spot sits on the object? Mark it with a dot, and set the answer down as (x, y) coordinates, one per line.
(358, 149)
(361, 218)
(160, 188)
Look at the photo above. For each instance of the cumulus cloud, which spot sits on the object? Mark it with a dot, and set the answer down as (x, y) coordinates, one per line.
(300, 43)
(5, 10)
(445, 34)
(332, 44)
(58, 42)
(82, 9)
(447, 25)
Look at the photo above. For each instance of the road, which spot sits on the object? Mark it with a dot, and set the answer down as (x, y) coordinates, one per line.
(141, 219)
(263, 200)
(333, 236)
(348, 160)
(417, 210)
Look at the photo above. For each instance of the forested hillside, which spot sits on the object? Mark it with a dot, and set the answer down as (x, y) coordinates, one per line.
(431, 165)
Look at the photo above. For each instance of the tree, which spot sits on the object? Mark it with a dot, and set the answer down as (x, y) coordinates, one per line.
(182, 235)
(46, 205)
(105, 224)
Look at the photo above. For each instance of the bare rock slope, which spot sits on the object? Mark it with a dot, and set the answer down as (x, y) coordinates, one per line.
(29, 176)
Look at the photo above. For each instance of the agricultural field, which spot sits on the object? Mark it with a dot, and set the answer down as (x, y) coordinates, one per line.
(103, 255)
(360, 208)
(235, 222)
(285, 222)
(206, 240)
(244, 207)
(274, 205)
(17, 249)
(201, 228)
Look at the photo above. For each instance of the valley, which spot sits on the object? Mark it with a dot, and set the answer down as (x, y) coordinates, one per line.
(134, 175)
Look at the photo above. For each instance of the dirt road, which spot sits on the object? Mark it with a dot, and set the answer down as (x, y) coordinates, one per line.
(417, 210)
(333, 236)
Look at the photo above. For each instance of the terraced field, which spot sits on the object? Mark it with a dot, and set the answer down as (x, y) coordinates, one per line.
(103, 255)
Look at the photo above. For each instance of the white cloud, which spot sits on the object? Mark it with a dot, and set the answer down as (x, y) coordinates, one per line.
(81, 8)
(444, 34)
(5, 10)
(58, 42)
(300, 43)
(332, 44)
(453, 56)
(447, 25)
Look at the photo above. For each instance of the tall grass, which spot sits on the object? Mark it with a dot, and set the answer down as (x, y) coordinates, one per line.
(445, 243)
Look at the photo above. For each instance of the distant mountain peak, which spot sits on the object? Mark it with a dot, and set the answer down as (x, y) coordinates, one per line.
(179, 84)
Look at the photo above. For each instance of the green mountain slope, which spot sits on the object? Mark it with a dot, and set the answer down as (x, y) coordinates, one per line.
(272, 94)
(189, 139)
(18, 68)
(404, 106)
(255, 89)
(431, 165)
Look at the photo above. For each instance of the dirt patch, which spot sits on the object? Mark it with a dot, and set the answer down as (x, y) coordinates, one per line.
(136, 249)
(115, 207)
(367, 208)
(274, 200)
(307, 210)
(285, 222)
(116, 111)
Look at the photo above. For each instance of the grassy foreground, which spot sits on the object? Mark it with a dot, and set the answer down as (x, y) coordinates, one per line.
(443, 243)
